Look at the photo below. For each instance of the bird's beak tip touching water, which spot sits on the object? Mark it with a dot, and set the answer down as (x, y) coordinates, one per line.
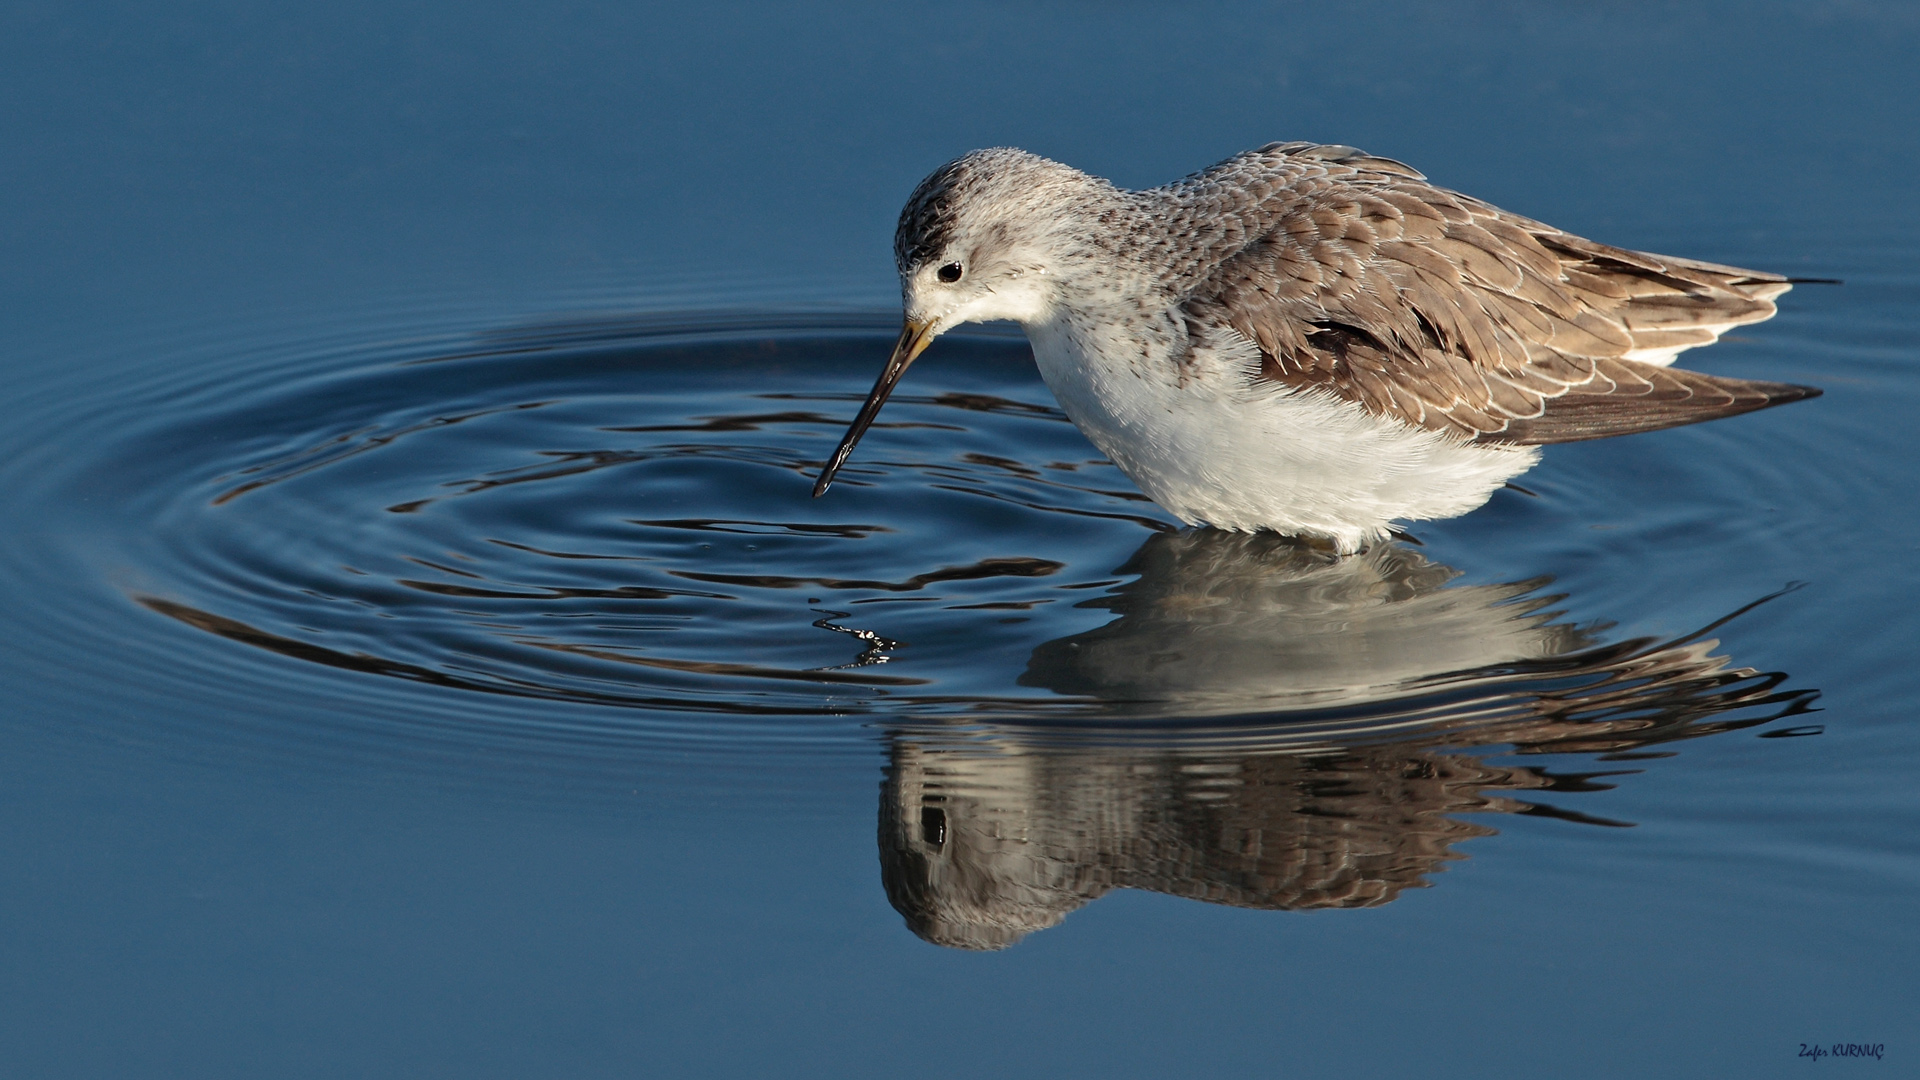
(914, 338)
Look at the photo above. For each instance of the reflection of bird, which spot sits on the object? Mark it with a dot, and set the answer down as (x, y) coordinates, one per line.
(1371, 676)
(1218, 622)
(1309, 339)
(981, 845)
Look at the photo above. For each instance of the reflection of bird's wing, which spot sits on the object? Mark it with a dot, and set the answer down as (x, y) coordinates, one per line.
(1290, 832)
(1357, 278)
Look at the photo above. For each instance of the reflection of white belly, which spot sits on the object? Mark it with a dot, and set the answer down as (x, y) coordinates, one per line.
(1211, 448)
(1218, 624)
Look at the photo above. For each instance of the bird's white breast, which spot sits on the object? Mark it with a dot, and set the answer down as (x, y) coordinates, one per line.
(1204, 438)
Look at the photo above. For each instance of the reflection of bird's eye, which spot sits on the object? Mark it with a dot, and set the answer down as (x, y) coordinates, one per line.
(933, 825)
(950, 273)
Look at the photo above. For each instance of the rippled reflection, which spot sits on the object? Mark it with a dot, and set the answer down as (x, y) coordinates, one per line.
(605, 528)
(614, 513)
(990, 833)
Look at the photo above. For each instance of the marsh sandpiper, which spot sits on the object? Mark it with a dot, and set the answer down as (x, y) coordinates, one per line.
(1310, 339)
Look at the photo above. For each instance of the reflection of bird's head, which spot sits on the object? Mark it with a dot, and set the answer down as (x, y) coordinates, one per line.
(955, 855)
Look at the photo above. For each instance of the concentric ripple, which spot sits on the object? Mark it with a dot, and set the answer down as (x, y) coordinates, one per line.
(613, 517)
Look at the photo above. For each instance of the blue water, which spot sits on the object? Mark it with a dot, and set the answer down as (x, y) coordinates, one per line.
(422, 655)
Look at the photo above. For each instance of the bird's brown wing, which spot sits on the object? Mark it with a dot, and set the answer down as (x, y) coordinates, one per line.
(1363, 281)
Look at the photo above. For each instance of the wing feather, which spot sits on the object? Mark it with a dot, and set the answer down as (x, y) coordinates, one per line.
(1358, 278)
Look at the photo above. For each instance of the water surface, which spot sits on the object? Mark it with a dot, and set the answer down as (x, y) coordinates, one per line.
(423, 656)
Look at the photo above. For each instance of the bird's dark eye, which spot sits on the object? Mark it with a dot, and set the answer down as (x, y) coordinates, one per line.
(950, 273)
(933, 825)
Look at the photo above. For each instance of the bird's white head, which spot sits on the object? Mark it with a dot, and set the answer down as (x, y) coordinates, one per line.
(984, 237)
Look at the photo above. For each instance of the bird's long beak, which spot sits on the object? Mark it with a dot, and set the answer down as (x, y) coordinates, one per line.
(914, 338)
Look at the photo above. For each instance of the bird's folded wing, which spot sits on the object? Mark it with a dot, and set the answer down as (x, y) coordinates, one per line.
(1365, 282)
